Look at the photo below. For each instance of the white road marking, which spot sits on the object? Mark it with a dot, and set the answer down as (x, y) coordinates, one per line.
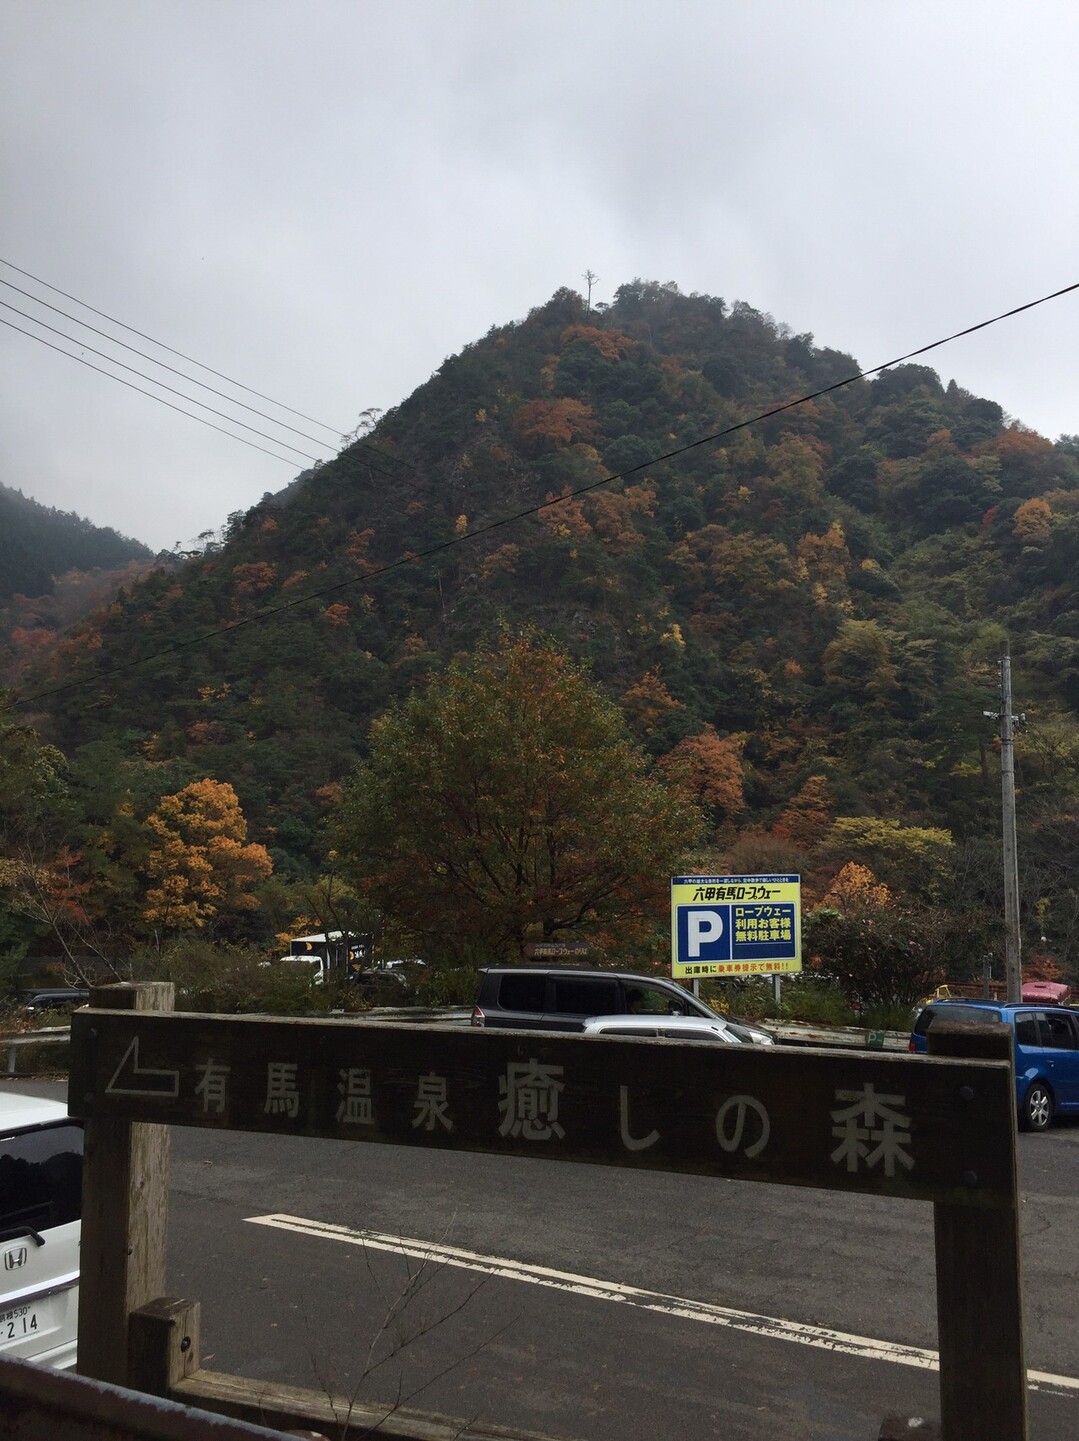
(769, 1326)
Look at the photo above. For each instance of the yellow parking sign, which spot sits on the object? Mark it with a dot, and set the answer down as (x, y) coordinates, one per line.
(735, 926)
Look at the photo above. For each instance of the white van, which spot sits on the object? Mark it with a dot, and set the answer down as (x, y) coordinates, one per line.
(315, 968)
(40, 1227)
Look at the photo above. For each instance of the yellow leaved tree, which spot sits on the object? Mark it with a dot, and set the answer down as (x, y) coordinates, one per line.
(201, 864)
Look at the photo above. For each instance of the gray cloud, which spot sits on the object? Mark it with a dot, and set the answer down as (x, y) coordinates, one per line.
(324, 200)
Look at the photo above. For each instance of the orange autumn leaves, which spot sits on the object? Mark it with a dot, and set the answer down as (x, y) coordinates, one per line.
(709, 767)
(200, 861)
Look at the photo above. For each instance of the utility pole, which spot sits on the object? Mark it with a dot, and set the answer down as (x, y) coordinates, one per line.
(1013, 968)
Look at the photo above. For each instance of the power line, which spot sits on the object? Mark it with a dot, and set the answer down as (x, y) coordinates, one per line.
(365, 444)
(160, 399)
(142, 376)
(142, 353)
(190, 359)
(416, 556)
(113, 361)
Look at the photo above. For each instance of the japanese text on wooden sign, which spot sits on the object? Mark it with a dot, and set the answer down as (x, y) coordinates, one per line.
(892, 1125)
(735, 925)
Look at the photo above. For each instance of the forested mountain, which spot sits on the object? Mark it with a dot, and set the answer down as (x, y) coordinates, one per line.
(820, 597)
(39, 543)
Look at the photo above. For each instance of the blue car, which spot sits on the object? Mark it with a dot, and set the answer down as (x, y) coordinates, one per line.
(1046, 1053)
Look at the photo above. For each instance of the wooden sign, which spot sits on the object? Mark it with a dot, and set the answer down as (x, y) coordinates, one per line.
(907, 1126)
(553, 950)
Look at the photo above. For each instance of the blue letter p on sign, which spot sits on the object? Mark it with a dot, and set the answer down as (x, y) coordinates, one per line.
(704, 933)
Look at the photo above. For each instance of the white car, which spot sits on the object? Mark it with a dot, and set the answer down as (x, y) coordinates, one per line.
(717, 1030)
(40, 1227)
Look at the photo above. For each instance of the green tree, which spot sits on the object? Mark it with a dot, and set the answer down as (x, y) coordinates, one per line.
(913, 859)
(33, 781)
(37, 892)
(859, 661)
(879, 955)
(509, 802)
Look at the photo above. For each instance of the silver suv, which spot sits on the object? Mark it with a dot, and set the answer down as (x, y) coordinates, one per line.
(717, 1031)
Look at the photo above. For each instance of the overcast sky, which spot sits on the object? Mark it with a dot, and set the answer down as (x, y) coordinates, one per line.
(324, 198)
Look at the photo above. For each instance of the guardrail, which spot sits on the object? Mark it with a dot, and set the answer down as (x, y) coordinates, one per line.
(803, 1033)
(47, 1036)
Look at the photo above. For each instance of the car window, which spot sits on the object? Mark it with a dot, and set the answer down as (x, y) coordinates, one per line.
(1060, 1031)
(651, 1001)
(688, 1033)
(585, 995)
(630, 1031)
(522, 993)
(1026, 1029)
(965, 1015)
(41, 1177)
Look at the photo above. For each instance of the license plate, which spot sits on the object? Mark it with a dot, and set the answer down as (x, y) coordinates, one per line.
(16, 1324)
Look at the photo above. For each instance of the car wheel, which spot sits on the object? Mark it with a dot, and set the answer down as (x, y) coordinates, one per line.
(1037, 1109)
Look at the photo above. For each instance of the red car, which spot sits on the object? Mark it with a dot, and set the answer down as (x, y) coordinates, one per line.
(1051, 992)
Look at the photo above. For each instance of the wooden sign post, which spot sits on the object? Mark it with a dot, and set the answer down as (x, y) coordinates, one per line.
(937, 1130)
(125, 1195)
(979, 1281)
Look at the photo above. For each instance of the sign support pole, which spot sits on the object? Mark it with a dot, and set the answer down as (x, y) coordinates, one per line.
(125, 1190)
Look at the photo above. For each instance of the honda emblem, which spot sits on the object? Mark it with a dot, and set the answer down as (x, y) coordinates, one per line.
(15, 1258)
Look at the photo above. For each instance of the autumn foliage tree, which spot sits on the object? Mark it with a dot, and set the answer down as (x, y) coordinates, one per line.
(508, 802)
(856, 891)
(648, 701)
(881, 952)
(201, 866)
(1033, 522)
(914, 859)
(808, 815)
(554, 422)
(709, 767)
(39, 892)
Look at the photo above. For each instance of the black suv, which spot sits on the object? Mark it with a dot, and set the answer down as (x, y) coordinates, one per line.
(561, 998)
(54, 998)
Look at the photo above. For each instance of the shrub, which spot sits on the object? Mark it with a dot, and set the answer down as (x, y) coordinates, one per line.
(446, 986)
(748, 1000)
(809, 998)
(878, 956)
(231, 980)
(887, 1018)
(817, 1001)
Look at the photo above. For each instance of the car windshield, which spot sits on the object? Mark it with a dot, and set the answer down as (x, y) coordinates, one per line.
(649, 1001)
(965, 1015)
(41, 1176)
